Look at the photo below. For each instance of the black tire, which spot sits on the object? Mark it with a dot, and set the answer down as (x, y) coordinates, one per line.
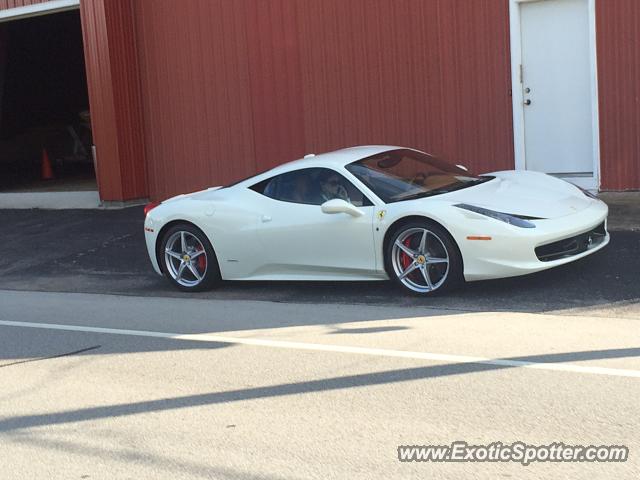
(188, 281)
(439, 245)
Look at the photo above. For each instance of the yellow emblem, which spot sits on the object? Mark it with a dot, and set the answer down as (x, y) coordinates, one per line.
(421, 259)
(381, 214)
(186, 258)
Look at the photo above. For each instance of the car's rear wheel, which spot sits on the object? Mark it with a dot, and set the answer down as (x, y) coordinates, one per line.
(422, 258)
(187, 258)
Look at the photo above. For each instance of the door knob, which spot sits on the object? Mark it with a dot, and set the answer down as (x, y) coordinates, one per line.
(527, 102)
(266, 218)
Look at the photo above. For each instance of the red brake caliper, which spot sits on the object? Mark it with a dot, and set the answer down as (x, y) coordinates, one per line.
(405, 259)
(202, 261)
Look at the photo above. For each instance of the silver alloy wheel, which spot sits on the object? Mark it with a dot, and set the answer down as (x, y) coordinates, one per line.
(420, 260)
(186, 258)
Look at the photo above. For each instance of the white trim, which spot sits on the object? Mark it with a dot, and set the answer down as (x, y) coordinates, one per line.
(592, 183)
(595, 110)
(44, 8)
(517, 96)
(50, 200)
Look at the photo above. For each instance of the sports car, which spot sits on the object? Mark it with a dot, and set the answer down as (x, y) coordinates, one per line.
(374, 213)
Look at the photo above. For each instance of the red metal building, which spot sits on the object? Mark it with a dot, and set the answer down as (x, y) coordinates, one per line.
(195, 93)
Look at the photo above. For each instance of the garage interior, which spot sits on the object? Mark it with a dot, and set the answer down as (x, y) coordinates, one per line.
(45, 127)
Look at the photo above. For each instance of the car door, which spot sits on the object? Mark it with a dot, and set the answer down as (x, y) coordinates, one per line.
(299, 241)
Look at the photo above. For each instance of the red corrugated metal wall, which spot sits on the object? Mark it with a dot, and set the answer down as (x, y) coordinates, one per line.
(96, 51)
(229, 88)
(197, 93)
(234, 87)
(618, 37)
(114, 95)
(430, 74)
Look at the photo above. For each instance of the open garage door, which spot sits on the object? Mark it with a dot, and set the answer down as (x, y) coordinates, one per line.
(45, 124)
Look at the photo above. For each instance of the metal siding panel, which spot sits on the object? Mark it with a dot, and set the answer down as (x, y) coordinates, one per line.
(197, 93)
(96, 52)
(250, 84)
(618, 34)
(113, 84)
(276, 96)
(126, 96)
(430, 74)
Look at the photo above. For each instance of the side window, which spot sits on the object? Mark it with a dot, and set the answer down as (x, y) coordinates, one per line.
(311, 186)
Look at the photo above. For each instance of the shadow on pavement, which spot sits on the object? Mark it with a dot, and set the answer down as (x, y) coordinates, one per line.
(9, 424)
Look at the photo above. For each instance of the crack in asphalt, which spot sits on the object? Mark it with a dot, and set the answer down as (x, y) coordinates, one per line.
(66, 354)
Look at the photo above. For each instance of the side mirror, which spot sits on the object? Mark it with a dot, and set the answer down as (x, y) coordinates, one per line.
(338, 205)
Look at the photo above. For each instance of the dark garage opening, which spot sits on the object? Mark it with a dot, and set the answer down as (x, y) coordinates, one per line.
(44, 106)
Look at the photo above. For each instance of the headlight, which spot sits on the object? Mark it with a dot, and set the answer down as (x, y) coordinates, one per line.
(503, 217)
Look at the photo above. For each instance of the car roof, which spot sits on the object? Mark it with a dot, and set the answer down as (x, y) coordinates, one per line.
(337, 158)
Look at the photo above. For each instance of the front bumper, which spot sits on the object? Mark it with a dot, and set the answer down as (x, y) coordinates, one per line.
(513, 252)
(150, 236)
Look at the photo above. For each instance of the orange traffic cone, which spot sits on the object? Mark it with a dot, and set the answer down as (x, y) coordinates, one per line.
(46, 170)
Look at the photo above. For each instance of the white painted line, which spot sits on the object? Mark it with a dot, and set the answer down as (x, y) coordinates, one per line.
(380, 352)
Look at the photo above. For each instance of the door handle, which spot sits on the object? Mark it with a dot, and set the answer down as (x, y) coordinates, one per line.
(265, 218)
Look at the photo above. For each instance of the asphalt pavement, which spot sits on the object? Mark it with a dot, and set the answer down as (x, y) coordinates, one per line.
(103, 251)
(107, 386)
(109, 373)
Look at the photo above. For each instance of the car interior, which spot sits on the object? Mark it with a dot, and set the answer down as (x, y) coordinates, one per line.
(306, 186)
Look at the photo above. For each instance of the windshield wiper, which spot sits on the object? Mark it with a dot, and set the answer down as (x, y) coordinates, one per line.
(471, 183)
(419, 195)
(451, 188)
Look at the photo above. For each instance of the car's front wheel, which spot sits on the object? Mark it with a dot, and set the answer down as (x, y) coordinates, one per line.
(187, 258)
(423, 258)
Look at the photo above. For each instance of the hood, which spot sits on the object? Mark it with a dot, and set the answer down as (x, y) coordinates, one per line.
(532, 194)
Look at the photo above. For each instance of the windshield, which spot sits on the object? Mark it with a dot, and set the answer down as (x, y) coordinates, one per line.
(405, 174)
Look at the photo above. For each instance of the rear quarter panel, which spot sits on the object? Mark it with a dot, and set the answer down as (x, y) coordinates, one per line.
(228, 220)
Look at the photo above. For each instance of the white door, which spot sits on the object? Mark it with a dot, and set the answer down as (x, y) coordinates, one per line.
(557, 87)
(299, 241)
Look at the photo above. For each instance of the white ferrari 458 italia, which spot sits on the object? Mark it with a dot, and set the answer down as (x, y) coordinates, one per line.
(374, 213)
